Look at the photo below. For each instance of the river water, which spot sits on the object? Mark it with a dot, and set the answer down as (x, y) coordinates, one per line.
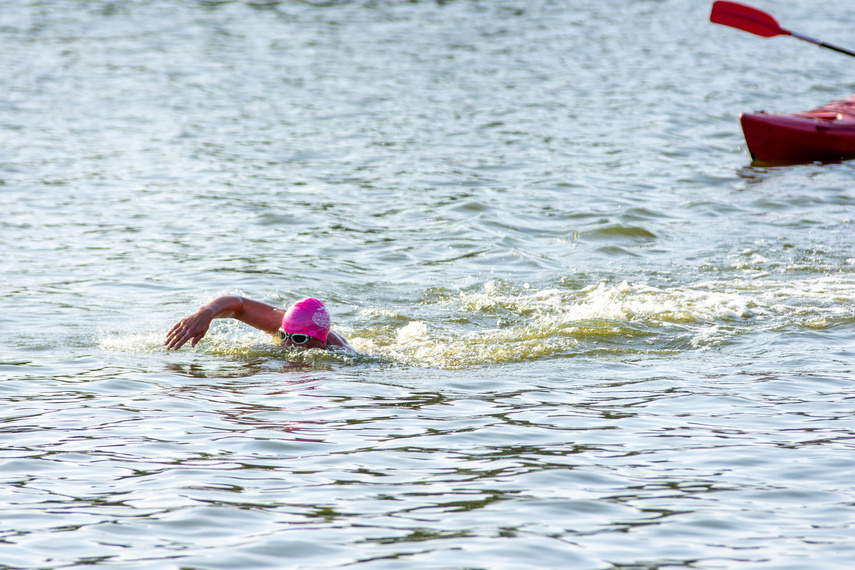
(592, 333)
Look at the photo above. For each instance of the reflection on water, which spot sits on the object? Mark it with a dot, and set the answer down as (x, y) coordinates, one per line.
(401, 471)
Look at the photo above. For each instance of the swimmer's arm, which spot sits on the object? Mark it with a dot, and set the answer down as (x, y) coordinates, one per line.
(254, 313)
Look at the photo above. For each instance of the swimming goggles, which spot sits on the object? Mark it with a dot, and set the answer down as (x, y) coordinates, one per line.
(296, 338)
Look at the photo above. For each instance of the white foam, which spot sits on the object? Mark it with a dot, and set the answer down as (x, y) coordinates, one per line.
(414, 331)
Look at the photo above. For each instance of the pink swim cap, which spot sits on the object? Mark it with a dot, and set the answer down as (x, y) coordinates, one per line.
(307, 316)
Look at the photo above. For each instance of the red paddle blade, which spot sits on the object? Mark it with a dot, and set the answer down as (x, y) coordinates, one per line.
(745, 18)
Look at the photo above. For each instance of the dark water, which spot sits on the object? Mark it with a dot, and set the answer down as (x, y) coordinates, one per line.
(592, 334)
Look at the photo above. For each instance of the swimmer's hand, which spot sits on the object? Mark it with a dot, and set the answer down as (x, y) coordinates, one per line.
(191, 328)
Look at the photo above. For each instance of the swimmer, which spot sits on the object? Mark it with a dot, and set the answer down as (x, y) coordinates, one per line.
(305, 325)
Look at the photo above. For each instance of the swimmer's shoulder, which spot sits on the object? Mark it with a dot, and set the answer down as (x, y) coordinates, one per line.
(336, 341)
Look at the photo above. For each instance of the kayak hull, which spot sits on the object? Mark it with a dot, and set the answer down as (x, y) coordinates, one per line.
(824, 134)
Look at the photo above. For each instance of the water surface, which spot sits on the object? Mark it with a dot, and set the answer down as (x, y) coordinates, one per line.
(592, 333)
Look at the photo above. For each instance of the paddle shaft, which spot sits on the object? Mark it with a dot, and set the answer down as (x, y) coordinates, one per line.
(822, 43)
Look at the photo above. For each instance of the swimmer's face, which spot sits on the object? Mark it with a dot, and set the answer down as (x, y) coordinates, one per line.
(311, 343)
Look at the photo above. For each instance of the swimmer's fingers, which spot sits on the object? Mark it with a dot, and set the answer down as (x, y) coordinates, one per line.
(175, 327)
(174, 342)
(171, 336)
(174, 339)
(194, 340)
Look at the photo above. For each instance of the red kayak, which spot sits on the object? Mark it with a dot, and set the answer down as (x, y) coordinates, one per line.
(823, 134)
